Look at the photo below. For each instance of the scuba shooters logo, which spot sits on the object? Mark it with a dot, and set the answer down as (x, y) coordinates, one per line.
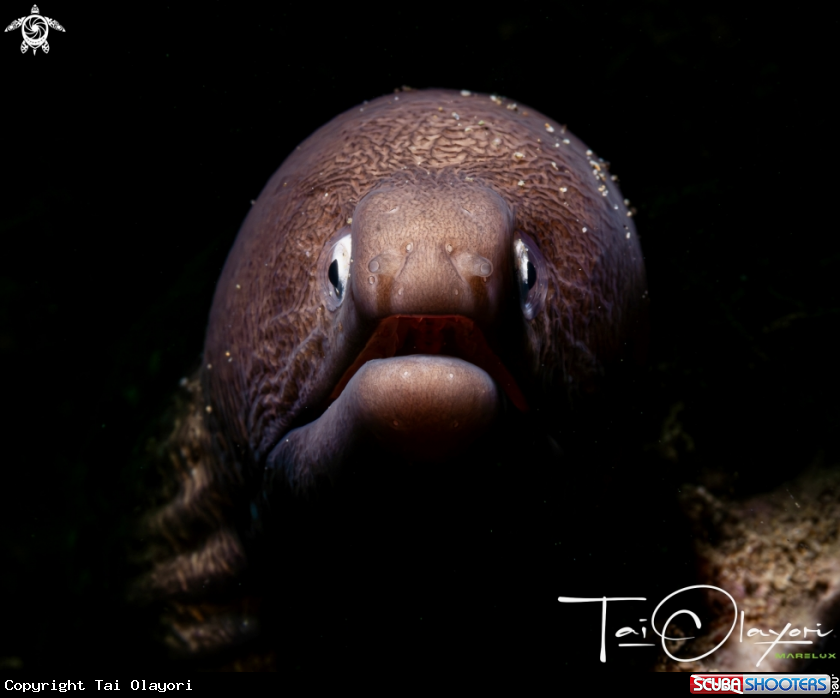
(35, 28)
(787, 636)
(738, 684)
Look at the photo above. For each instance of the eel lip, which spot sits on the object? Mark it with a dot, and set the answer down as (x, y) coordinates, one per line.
(450, 335)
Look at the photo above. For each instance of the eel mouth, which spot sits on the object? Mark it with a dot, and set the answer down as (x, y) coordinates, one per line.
(448, 335)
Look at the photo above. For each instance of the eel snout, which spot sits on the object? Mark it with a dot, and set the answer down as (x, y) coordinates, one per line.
(424, 250)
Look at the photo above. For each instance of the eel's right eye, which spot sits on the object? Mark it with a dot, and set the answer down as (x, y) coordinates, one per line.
(334, 280)
(335, 268)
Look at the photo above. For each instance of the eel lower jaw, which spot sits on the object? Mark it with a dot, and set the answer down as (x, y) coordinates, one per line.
(423, 389)
(415, 408)
(420, 407)
(452, 335)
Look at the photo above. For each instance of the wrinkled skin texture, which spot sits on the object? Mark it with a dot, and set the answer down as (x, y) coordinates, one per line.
(286, 352)
(431, 344)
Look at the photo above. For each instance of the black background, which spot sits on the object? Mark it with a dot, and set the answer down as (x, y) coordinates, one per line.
(132, 152)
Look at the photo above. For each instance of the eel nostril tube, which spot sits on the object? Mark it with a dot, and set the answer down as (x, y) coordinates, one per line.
(470, 264)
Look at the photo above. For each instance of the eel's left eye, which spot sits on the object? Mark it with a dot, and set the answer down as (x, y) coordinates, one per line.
(531, 275)
(335, 268)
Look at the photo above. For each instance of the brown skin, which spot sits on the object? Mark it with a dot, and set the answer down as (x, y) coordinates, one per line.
(439, 186)
(436, 248)
(287, 351)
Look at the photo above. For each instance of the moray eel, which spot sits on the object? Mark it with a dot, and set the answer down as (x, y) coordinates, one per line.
(422, 268)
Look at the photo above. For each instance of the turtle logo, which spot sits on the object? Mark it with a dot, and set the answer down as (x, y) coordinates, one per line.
(35, 28)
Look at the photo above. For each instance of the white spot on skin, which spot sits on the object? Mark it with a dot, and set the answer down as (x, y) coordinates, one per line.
(554, 164)
(627, 236)
(238, 287)
(209, 366)
(349, 221)
(208, 409)
(589, 152)
(455, 116)
(465, 93)
(549, 128)
(519, 156)
(584, 229)
(520, 183)
(563, 190)
(566, 141)
(409, 247)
